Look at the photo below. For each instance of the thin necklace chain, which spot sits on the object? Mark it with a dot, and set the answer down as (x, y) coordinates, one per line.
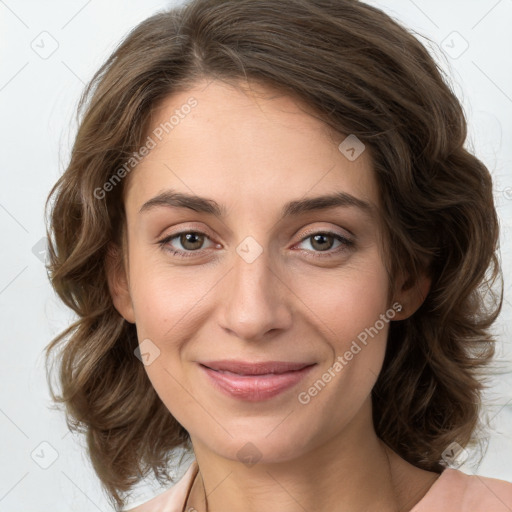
(390, 477)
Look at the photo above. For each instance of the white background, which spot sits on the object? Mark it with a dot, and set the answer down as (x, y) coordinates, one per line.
(38, 98)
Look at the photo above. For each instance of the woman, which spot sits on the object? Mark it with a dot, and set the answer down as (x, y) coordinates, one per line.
(278, 249)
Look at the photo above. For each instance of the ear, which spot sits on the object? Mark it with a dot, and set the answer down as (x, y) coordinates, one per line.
(411, 296)
(118, 283)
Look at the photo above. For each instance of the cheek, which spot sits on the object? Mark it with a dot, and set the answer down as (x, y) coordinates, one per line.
(350, 310)
(170, 304)
(345, 302)
(166, 310)
(167, 301)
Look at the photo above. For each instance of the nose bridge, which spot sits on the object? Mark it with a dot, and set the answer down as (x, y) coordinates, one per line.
(254, 303)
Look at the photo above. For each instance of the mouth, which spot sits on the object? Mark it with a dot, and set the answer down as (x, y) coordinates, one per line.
(253, 381)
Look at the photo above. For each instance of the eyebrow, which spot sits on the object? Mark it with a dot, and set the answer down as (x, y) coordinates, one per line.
(173, 199)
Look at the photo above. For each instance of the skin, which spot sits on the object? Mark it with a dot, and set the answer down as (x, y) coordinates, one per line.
(252, 151)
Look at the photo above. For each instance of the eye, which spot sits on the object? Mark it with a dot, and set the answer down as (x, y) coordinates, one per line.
(323, 242)
(190, 242)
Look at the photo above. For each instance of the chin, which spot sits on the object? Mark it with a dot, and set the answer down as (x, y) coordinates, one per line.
(261, 442)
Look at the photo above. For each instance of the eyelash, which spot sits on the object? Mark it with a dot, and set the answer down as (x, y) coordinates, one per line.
(345, 244)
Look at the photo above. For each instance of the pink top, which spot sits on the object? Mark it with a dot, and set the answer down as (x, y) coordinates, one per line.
(453, 491)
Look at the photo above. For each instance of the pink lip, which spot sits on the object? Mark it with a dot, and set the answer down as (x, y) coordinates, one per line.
(255, 381)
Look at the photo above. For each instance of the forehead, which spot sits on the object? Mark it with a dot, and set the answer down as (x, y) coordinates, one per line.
(251, 148)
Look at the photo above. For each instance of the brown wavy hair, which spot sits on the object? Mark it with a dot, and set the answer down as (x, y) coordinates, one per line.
(362, 73)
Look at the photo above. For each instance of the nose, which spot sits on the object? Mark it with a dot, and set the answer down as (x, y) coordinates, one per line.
(256, 300)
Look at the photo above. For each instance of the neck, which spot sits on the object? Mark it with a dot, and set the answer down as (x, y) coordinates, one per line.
(353, 470)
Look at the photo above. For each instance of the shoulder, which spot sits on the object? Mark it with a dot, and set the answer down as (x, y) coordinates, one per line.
(173, 499)
(456, 491)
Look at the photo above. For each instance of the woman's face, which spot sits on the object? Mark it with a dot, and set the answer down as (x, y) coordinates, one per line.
(255, 269)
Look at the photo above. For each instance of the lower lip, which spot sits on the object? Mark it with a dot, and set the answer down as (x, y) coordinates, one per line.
(255, 388)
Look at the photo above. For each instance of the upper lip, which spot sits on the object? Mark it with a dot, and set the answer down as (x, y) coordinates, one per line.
(254, 368)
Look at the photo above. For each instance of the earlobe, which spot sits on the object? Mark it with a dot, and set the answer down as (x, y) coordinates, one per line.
(411, 297)
(118, 283)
